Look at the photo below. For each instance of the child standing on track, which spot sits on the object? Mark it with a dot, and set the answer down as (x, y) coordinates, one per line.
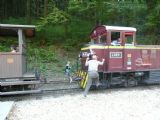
(67, 71)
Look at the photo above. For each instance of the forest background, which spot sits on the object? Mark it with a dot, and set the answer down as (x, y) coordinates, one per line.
(63, 26)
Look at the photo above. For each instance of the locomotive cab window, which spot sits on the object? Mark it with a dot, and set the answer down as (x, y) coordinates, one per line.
(115, 39)
(99, 40)
(129, 38)
(102, 39)
(93, 41)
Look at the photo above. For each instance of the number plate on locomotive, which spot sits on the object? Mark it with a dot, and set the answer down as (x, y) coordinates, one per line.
(115, 54)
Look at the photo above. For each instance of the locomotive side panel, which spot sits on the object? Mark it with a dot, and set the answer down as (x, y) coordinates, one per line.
(147, 59)
(125, 60)
(115, 60)
(128, 60)
(158, 58)
(154, 59)
(138, 62)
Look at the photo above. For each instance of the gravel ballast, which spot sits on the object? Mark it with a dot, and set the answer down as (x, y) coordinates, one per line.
(113, 104)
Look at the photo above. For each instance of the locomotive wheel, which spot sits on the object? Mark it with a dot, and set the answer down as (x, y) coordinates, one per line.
(108, 83)
(126, 83)
(132, 82)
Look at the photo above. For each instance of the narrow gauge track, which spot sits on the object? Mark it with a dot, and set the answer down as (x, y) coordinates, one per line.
(73, 91)
(49, 88)
(66, 88)
(62, 87)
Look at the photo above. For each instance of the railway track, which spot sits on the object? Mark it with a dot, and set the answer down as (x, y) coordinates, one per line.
(49, 88)
(73, 91)
(61, 87)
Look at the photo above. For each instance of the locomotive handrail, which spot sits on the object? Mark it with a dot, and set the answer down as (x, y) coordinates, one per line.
(148, 46)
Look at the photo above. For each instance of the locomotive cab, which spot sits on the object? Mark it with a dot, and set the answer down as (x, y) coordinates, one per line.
(108, 34)
(109, 42)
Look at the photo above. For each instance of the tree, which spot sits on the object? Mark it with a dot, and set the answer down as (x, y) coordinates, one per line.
(28, 12)
(55, 17)
(153, 20)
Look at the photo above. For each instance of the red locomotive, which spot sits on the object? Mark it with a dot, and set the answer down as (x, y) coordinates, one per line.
(126, 63)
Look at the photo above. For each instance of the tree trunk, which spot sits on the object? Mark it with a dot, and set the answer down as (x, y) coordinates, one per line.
(37, 8)
(28, 12)
(45, 8)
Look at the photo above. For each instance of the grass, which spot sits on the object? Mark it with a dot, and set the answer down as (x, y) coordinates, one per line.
(51, 60)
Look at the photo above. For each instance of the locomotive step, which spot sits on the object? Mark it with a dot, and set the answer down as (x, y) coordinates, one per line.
(19, 83)
(20, 92)
(29, 75)
(152, 81)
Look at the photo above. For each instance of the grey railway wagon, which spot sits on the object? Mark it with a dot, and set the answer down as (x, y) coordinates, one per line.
(13, 66)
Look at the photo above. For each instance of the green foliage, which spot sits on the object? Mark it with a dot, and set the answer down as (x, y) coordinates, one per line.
(44, 55)
(13, 20)
(67, 24)
(70, 22)
(6, 42)
(50, 60)
(4, 49)
(40, 58)
(55, 17)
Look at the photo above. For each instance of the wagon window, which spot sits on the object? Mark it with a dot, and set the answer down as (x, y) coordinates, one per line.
(7, 44)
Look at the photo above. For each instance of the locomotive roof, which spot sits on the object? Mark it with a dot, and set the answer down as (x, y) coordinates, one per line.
(120, 28)
(11, 30)
(102, 29)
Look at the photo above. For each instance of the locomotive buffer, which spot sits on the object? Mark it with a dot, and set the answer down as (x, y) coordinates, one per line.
(14, 78)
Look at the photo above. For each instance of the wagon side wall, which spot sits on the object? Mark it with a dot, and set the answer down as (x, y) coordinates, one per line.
(11, 65)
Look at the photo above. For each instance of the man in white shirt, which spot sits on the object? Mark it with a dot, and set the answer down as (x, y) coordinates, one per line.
(92, 72)
(116, 42)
